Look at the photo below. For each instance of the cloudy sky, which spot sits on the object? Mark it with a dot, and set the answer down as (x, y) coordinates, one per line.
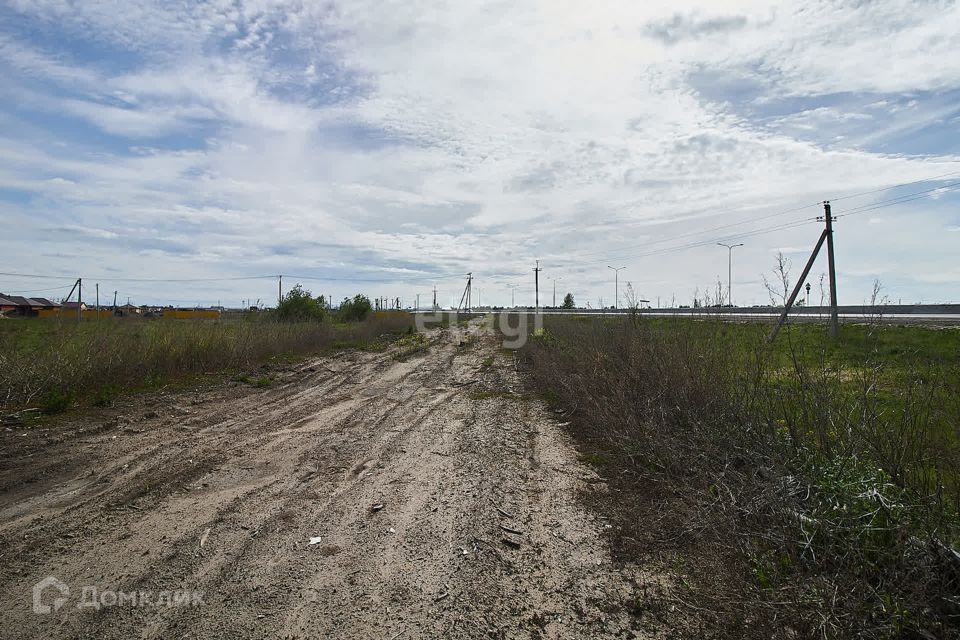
(389, 147)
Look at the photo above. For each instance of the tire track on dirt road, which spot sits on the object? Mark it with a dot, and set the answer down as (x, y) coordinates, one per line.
(445, 501)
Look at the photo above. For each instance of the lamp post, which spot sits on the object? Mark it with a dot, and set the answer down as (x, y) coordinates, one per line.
(616, 285)
(555, 291)
(513, 289)
(730, 248)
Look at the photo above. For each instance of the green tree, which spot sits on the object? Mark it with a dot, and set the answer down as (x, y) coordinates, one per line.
(568, 302)
(299, 305)
(356, 309)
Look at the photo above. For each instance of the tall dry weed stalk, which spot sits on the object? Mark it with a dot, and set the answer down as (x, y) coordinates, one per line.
(830, 480)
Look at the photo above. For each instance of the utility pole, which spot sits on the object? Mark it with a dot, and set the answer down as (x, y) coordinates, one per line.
(76, 285)
(434, 297)
(79, 298)
(98, 301)
(834, 316)
(465, 298)
(826, 236)
(616, 285)
(418, 302)
(536, 285)
(555, 291)
(730, 248)
(279, 291)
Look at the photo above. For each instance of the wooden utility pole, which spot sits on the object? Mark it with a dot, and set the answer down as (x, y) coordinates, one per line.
(79, 298)
(465, 298)
(825, 236)
(98, 302)
(434, 298)
(76, 285)
(279, 291)
(834, 316)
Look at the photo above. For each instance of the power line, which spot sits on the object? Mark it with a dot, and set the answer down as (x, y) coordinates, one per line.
(717, 228)
(236, 278)
(777, 213)
(895, 186)
(60, 288)
(909, 197)
(116, 279)
(788, 225)
(701, 243)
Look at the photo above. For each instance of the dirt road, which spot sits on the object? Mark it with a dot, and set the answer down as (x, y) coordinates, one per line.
(439, 501)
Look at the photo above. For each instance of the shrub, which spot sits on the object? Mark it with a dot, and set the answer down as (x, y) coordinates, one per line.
(356, 309)
(794, 473)
(56, 401)
(299, 305)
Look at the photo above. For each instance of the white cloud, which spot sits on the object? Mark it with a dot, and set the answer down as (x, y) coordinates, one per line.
(462, 136)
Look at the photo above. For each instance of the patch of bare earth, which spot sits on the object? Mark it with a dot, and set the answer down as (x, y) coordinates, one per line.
(445, 502)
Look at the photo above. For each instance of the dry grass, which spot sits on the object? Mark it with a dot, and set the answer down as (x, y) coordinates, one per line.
(808, 490)
(52, 363)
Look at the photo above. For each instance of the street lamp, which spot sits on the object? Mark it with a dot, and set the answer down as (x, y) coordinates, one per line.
(730, 248)
(513, 289)
(616, 286)
(555, 291)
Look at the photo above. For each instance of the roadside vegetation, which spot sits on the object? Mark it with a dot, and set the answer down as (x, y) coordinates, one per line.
(805, 489)
(53, 364)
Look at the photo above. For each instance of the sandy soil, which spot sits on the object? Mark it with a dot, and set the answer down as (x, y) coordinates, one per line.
(446, 505)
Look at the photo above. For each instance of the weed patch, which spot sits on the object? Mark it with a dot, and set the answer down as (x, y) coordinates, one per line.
(813, 484)
(55, 363)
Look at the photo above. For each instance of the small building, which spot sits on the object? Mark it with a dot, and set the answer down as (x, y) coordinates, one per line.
(22, 306)
(7, 305)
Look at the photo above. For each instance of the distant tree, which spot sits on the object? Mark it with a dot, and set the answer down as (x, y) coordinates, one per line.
(779, 289)
(356, 309)
(632, 299)
(568, 302)
(299, 305)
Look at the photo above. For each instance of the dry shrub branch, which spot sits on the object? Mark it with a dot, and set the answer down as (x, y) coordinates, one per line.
(804, 490)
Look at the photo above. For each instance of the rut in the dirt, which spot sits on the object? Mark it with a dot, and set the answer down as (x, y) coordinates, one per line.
(440, 501)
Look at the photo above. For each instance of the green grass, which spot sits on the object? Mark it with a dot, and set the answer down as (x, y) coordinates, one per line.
(486, 394)
(359, 345)
(796, 470)
(409, 345)
(61, 363)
